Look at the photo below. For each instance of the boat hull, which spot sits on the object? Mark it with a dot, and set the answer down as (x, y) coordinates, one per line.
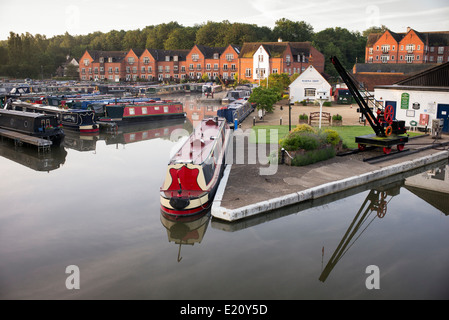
(191, 184)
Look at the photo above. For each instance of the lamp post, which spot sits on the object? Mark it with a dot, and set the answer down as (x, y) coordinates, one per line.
(321, 96)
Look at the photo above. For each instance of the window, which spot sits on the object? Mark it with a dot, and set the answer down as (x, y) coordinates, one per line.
(132, 111)
(260, 58)
(165, 109)
(216, 56)
(86, 62)
(440, 50)
(110, 59)
(142, 70)
(215, 66)
(144, 109)
(195, 57)
(409, 58)
(146, 60)
(167, 68)
(248, 72)
(101, 60)
(410, 48)
(309, 92)
(440, 59)
(208, 66)
(150, 69)
(229, 56)
(167, 58)
(385, 48)
(110, 69)
(131, 60)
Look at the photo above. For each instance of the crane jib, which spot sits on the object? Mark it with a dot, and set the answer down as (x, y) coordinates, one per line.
(364, 108)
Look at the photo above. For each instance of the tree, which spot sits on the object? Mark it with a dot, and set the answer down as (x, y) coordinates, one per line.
(264, 98)
(288, 30)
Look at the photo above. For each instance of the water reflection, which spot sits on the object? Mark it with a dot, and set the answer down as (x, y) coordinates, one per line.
(30, 157)
(185, 230)
(374, 207)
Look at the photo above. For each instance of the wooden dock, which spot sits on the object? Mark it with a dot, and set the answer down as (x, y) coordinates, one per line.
(42, 144)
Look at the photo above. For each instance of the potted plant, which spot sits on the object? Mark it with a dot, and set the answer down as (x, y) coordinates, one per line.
(337, 120)
(303, 118)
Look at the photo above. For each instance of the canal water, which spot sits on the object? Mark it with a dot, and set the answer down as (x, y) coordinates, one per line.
(92, 209)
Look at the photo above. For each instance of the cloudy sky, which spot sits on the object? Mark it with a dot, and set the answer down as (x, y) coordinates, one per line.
(50, 17)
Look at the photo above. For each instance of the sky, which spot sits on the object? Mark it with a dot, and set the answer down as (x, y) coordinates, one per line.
(51, 17)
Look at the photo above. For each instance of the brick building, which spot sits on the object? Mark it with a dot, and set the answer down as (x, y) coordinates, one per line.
(257, 60)
(251, 62)
(409, 47)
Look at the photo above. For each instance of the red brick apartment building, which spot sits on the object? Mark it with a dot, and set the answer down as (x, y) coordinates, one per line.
(248, 62)
(409, 47)
(257, 60)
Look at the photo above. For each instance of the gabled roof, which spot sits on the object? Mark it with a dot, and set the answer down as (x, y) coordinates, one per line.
(160, 54)
(208, 52)
(117, 56)
(434, 38)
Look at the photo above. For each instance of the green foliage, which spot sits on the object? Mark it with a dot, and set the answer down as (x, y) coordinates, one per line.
(331, 136)
(304, 128)
(313, 157)
(264, 98)
(299, 140)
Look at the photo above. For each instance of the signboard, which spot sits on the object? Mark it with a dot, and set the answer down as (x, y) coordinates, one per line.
(405, 98)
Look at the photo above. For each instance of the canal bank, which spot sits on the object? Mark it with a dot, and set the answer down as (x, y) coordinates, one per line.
(244, 192)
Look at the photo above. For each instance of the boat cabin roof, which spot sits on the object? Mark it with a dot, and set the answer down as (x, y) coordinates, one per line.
(24, 114)
(201, 142)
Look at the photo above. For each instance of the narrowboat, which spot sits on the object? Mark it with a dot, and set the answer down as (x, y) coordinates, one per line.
(239, 109)
(194, 172)
(44, 126)
(153, 110)
(71, 119)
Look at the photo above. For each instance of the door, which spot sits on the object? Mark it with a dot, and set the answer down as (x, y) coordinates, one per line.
(393, 105)
(443, 113)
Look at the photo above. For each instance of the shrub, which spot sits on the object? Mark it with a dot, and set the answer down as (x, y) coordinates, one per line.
(297, 140)
(337, 117)
(331, 136)
(304, 128)
(313, 156)
(303, 116)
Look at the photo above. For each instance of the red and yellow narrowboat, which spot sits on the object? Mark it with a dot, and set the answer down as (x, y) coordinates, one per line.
(194, 172)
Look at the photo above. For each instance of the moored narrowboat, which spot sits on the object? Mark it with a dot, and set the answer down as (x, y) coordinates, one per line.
(71, 119)
(194, 172)
(153, 110)
(34, 124)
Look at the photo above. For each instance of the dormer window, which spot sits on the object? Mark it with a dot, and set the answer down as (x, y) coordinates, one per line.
(110, 59)
(216, 56)
(101, 60)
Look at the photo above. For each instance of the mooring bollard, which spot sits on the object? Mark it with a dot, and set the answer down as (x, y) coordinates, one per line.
(280, 121)
(254, 121)
(282, 156)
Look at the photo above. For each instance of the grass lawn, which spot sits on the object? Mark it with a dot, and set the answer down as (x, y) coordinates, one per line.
(347, 133)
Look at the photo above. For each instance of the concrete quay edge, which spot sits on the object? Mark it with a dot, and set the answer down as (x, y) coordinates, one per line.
(231, 215)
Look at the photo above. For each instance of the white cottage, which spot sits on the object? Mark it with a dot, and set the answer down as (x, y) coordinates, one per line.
(307, 84)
